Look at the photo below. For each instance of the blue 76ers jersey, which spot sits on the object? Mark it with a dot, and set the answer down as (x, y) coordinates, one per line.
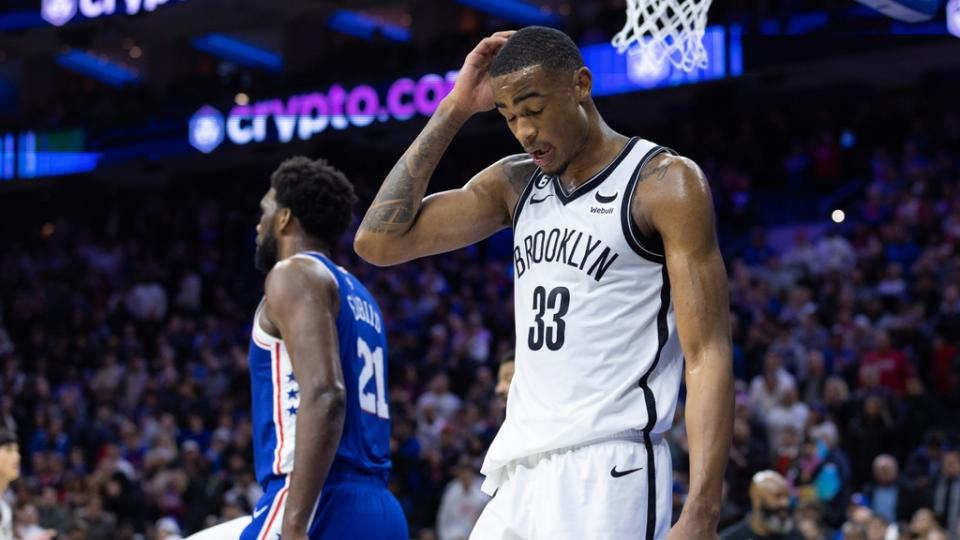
(365, 442)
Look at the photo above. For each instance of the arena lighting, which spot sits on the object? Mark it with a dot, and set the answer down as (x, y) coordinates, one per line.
(357, 24)
(240, 52)
(953, 17)
(60, 12)
(98, 68)
(838, 216)
(32, 155)
(615, 73)
(206, 129)
(515, 11)
(911, 11)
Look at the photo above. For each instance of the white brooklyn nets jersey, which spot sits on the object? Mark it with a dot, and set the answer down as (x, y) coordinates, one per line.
(597, 348)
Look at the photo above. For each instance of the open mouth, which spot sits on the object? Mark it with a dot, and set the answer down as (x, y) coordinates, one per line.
(542, 156)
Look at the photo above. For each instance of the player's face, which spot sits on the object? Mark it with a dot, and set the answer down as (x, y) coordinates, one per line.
(9, 462)
(545, 112)
(267, 250)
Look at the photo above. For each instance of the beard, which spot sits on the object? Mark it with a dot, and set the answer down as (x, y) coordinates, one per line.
(777, 523)
(266, 254)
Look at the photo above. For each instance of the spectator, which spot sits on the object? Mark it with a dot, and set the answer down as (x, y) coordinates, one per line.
(461, 504)
(28, 527)
(871, 433)
(789, 413)
(923, 523)
(505, 375)
(439, 398)
(167, 529)
(946, 491)
(889, 364)
(748, 456)
(98, 524)
(890, 498)
(51, 514)
(769, 517)
(767, 390)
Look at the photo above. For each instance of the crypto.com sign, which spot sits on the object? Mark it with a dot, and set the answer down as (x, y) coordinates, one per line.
(306, 115)
(59, 12)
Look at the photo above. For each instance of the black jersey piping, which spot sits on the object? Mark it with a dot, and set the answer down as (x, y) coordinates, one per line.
(650, 247)
(597, 179)
(663, 333)
(523, 196)
(651, 488)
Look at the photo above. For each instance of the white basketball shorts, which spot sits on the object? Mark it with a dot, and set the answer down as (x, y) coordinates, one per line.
(610, 490)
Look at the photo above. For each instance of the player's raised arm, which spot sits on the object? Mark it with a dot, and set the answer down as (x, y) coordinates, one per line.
(401, 224)
(680, 208)
(303, 302)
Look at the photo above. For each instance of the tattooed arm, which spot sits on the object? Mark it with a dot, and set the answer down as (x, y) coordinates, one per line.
(401, 224)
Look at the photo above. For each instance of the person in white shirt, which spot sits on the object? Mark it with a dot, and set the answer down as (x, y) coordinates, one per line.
(439, 396)
(789, 413)
(9, 471)
(767, 389)
(461, 504)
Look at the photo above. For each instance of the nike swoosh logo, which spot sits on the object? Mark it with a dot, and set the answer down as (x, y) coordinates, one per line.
(534, 200)
(606, 199)
(256, 513)
(617, 474)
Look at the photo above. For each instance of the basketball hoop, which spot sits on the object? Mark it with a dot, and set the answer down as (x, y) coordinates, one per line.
(666, 30)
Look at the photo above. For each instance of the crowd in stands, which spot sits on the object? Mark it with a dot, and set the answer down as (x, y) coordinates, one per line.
(125, 324)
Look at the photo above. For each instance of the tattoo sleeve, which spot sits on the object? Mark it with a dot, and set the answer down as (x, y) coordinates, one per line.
(517, 170)
(396, 205)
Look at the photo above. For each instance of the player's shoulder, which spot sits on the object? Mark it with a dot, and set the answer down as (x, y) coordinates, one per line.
(511, 172)
(669, 178)
(294, 276)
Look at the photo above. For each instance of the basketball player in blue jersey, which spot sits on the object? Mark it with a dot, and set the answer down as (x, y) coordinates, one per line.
(318, 369)
(618, 280)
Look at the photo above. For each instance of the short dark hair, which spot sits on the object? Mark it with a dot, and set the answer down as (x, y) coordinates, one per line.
(537, 45)
(7, 437)
(318, 194)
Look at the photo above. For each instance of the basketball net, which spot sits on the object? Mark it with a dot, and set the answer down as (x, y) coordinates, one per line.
(662, 30)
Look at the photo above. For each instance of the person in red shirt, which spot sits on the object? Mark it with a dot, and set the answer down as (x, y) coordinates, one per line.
(944, 371)
(890, 365)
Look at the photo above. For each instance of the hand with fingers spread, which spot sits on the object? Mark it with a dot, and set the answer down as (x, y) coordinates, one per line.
(471, 93)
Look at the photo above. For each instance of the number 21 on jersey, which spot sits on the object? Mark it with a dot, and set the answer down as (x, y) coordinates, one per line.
(372, 402)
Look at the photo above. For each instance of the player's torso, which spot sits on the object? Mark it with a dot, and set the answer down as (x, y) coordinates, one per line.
(365, 441)
(592, 303)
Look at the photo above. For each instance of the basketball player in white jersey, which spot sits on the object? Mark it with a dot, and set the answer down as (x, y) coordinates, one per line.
(9, 471)
(618, 278)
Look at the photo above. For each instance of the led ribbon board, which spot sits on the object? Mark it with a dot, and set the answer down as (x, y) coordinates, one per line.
(60, 12)
(306, 115)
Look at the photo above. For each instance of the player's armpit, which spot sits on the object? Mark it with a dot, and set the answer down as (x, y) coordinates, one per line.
(456, 218)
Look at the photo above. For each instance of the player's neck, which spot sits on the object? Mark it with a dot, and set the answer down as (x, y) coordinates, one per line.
(301, 244)
(4, 484)
(600, 148)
